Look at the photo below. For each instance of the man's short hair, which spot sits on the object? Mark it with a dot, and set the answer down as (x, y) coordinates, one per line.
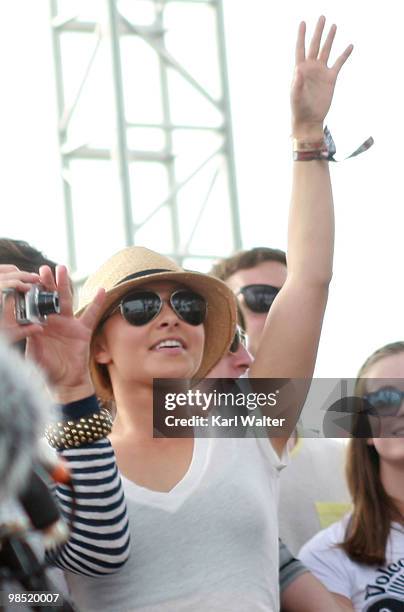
(243, 260)
(21, 254)
(25, 257)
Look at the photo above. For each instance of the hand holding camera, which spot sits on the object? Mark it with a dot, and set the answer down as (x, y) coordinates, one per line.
(35, 305)
(61, 345)
(62, 349)
(15, 282)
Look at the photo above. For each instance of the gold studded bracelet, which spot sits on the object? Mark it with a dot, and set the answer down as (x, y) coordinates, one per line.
(77, 432)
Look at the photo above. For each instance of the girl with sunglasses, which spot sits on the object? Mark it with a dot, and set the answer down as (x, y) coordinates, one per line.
(202, 512)
(361, 558)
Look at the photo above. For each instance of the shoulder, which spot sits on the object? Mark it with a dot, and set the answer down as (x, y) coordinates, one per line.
(396, 540)
(323, 556)
(325, 540)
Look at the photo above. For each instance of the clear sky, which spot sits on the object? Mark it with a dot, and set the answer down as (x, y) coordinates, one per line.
(367, 294)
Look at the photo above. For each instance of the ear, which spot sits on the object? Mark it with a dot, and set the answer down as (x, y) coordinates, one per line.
(370, 442)
(100, 350)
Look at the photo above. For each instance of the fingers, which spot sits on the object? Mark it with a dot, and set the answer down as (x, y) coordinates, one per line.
(61, 285)
(12, 278)
(47, 279)
(326, 49)
(342, 59)
(8, 326)
(314, 50)
(64, 289)
(300, 43)
(90, 316)
(8, 268)
(315, 41)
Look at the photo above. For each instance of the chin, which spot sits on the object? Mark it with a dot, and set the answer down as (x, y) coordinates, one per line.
(225, 373)
(391, 449)
(176, 371)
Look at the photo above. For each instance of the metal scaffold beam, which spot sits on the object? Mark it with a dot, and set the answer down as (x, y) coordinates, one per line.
(187, 143)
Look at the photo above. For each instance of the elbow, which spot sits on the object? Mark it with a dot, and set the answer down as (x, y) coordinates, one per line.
(113, 562)
(320, 279)
(322, 285)
(326, 279)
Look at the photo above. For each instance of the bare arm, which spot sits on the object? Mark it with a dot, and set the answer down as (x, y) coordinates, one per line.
(307, 594)
(344, 603)
(289, 343)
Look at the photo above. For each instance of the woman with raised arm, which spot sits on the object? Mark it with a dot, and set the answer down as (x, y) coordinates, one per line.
(202, 512)
(289, 341)
(361, 558)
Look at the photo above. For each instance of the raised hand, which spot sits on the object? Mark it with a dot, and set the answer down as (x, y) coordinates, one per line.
(314, 82)
(62, 349)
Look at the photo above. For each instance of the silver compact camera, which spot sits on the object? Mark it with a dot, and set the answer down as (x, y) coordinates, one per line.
(35, 305)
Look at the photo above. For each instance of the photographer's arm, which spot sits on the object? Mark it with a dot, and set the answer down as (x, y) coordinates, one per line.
(99, 540)
(291, 335)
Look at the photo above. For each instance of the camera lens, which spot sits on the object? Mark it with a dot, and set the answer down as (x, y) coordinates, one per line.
(48, 303)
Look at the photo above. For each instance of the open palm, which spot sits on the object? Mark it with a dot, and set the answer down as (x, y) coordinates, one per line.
(314, 82)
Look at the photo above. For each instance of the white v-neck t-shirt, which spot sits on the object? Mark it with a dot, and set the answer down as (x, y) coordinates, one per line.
(208, 545)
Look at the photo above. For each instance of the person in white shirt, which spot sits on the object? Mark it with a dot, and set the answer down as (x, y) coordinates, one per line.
(361, 558)
(202, 512)
(300, 591)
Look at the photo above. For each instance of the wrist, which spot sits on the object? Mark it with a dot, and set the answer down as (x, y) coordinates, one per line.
(66, 394)
(307, 131)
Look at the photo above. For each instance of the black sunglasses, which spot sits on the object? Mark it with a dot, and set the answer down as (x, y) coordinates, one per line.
(240, 337)
(384, 402)
(259, 298)
(141, 307)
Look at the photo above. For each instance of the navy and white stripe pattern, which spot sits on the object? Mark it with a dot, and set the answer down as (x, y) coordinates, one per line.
(99, 541)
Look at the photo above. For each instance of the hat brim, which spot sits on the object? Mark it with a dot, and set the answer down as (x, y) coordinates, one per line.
(219, 324)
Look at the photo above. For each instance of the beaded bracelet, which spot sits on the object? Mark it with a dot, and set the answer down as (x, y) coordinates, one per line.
(76, 432)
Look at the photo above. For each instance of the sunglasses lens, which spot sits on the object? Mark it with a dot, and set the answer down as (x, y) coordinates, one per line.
(385, 402)
(189, 306)
(140, 308)
(259, 298)
(235, 345)
(239, 338)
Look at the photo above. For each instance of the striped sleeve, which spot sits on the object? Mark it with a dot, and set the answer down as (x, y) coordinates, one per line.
(96, 510)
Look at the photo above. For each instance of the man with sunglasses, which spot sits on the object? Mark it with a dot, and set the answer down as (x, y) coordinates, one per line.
(255, 276)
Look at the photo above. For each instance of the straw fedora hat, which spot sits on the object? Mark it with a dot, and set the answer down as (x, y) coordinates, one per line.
(135, 266)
